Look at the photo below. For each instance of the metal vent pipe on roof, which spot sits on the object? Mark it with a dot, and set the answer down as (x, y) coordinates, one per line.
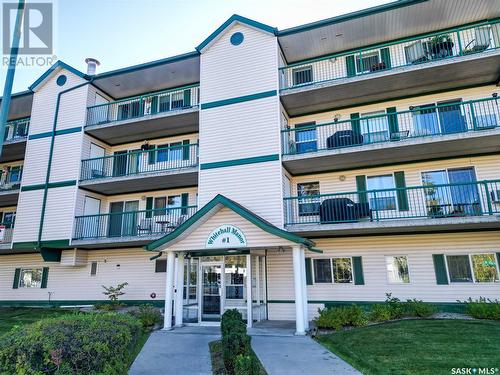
(92, 65)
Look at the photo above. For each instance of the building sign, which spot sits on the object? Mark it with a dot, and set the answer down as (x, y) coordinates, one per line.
(226, 236)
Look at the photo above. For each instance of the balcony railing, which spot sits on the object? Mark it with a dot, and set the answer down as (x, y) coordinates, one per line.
(429, 201)
(139, 162)
(418, 122)
(132, 223)
(144, 105)
(17, 129)
(412, 51)
(6, 237)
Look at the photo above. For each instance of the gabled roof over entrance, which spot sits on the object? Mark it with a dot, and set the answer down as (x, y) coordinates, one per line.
(210, 209)
(54, 69)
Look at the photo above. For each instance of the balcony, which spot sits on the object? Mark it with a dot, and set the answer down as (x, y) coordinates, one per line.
(445, 60)
(129, 228)
(444, 130)
(16, 134)
(147, 116)
(6, 235)
(427, 208)
(135, 171)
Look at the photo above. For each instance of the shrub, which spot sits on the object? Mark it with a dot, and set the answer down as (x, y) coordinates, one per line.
(338, 317)
(380, 313)
(235, 340)
(415, 307)
(71, 344)
(148, 315)
(230, 319)
(246, 365)
(483, 308)
(113, 292)
(395, 306)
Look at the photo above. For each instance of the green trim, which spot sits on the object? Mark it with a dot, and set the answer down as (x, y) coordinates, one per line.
(50, 185)
(58, 132)
(315, 250)
(232, 163)
(58, 303)
(51, 255)
(240, 210)
(357, 266)
(350, 16)
(239, 99)
(440, 269)
(235, 18)
(45, 277)
(401, 193)
(63, 244)
(309, 280)
(58, 64)
(361, 188)
(217, 252)
(17, 274)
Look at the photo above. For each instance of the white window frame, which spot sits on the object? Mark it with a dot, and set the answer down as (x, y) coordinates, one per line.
(409, 270)
(437, 106)
(313, 273)
(469, 256)
(370, 114)
(394, 192)
(356, 57)
(352, 270)
(29, 269)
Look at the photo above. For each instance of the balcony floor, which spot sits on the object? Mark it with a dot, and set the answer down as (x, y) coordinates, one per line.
(447, 74)
(411, 149)
(114, 242)
(164, 124)
(169, 179)
(9, 197)
(423, 225)
(13, 150)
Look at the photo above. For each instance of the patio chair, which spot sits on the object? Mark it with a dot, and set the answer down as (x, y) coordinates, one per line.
(145, 225)
(179, 221)
(480, 42)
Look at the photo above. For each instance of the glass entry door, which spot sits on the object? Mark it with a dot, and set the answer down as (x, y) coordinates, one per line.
(211, 292)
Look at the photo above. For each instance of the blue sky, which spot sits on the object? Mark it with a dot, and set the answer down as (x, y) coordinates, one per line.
(121, 33)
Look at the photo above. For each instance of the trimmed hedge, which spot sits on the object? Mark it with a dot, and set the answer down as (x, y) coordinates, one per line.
(73, 344)
(483, 308)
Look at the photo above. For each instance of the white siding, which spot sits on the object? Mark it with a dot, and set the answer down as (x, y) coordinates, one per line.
(29, 208)
(59, 214)
(35, 161)
(66, 158)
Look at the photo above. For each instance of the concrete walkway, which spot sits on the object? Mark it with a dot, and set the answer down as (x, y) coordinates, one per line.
(290, 355)
(180, 351)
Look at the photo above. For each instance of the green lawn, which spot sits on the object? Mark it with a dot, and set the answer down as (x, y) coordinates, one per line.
(418, 347)
(10, 317)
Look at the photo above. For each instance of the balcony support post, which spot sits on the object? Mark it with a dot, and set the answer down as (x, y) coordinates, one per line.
(297, 254)
(179, 290)
(169, 291)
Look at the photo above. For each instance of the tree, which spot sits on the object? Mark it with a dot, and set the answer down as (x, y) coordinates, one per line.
(114, 292)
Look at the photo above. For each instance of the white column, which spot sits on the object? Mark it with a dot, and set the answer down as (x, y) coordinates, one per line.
(264, 286)
(169, 291)
(299, 291)
(179, 286)
(257, 286)
(249, 291)
(304, 289)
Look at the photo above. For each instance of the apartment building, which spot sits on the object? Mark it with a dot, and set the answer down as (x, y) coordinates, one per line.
(272, 171)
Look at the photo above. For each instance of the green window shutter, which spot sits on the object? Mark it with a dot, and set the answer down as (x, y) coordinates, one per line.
(309, 278)
(350, 66)
(45, 277)
(356, 127)
(152, 154)
(154, 104)
(402, 195)
(184, 203)
(440, 269)
(187, 98)
(149, 206)
(386, 57)
(17, 274)
(185, 149)
(359, 279)
(498, 260)
(392, 117)
(361, 186)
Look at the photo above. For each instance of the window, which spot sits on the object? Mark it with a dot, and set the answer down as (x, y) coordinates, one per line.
(342, 270)
(30, 278)
(485, 268)
(459, 268)
(159, 206)
(177, 99)
(309, 205)
(443, 118)
(397, 269)
(234, 276)
(160, 265)
(305, 139)
(15, 175)
(162, 153)
(172, 151)
(383, 200)
(93, 268)
(375, 128)
(8, 219)
(302, 75)
(322, 271)
(366, 61)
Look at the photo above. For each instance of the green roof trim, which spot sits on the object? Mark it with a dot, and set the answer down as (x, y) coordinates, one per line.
(349, 16)
(244, 161)
(240, 210)
(239, 99)
(240, 19)
(58, 64)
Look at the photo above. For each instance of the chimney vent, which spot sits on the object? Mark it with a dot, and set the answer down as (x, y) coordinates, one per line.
(92, 65)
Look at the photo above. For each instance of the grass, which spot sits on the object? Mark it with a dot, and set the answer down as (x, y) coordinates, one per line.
(422, 347)
(10, 317)
(218, 363)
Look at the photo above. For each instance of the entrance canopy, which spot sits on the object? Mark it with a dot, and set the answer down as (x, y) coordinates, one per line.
(225, 224)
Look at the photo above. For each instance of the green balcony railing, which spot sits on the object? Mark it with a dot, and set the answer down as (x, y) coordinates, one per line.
(132, 223)
(429, 201)
(461, 41)
(417, 122)
(140, 162)
(144, 105)
(17, 129)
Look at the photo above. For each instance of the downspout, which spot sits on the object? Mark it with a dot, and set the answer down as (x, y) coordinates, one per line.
(51, 154)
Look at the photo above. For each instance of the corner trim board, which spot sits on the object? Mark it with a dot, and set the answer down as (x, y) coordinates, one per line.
(239, 99)
(49, 186)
